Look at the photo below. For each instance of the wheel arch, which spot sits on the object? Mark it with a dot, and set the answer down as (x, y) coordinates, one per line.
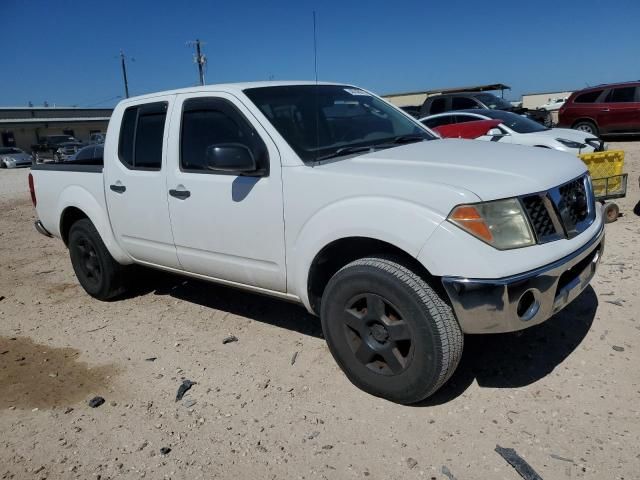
(340, 252)
(76, 203)
(584, 119)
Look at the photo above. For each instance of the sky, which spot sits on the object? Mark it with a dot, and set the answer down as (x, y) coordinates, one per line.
(66, 52)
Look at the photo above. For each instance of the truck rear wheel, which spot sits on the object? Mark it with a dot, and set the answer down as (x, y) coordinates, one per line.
(389, 331)
(98, 273)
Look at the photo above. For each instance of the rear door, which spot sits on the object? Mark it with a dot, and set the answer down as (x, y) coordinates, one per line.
(135, 183)
(226, 225)
(620, 111)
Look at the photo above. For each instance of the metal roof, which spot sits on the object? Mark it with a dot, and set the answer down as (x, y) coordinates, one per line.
(48, 114)
(475, 88)
(53, 120)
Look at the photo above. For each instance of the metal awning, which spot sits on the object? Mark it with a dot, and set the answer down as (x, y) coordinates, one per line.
(474, 88)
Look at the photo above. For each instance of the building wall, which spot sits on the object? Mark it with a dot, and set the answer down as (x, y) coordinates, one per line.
(410, 100)
(27, 134)
(534, 100)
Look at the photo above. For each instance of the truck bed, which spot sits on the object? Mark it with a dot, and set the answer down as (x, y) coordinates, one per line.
(59, 186)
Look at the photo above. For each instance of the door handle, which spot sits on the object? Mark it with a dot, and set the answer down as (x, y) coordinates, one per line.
(605, 110)
(181, 194)
(118, 188)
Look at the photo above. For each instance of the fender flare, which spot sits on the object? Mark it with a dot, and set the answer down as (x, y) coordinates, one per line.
(407, 226)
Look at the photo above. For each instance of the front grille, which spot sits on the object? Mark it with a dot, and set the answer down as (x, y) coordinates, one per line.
(573, 205)
(562, 212)
(539, 217)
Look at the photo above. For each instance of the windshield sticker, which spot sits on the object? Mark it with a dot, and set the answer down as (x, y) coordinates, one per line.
(356, 91)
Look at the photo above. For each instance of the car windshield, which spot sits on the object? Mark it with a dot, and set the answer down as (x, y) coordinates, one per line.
(325, 121)
(515, 122)
(9, 150)
(493, 102)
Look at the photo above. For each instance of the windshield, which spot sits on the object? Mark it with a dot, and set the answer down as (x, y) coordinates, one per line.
(9, 150)
(323, 121)
(515, 122)
(493, 102)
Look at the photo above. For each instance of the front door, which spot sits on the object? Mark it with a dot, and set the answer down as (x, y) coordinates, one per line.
(225, 225)
(620, 111)
(135, 183)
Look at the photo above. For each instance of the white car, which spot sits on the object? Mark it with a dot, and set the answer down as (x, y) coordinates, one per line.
(553, 104)
(520, 130)
(328, 196)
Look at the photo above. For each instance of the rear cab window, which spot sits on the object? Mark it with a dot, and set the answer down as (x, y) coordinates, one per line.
(439, 105)
(142, 136)
(463, 103)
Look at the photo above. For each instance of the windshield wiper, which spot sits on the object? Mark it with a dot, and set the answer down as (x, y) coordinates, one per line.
(345, 151)
(408, 138)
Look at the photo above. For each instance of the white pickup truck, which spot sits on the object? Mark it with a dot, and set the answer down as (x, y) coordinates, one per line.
(326, 195)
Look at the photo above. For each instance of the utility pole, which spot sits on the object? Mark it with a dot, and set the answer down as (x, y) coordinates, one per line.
(124, 74)
(199, 58)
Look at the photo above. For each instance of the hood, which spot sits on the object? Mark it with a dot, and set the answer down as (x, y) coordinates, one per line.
(566, 133)
(490, 170)
(571, 134)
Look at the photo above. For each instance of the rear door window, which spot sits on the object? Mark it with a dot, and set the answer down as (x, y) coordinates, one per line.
(438, 105)
(464, 103)
(622, 95)
(142, 135)
(589, 97)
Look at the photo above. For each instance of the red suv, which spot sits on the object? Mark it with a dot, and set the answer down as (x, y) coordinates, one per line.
(603, 110)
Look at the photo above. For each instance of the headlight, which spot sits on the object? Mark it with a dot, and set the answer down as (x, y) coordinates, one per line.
(501, 223)
(570, 143)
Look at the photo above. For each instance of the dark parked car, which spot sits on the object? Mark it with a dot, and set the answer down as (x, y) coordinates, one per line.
(89, 155)
(414, 111)
(66, 150)
(48, 146)
(472, 100)
(603, 110)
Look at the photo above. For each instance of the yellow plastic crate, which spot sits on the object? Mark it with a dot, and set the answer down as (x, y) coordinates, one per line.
(606, 171)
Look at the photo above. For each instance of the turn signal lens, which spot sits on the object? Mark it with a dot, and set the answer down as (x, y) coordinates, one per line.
(468, 217)
(501, 223)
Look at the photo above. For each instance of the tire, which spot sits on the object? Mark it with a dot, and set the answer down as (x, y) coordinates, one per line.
(586, 126)
(98, 273)
(611, 212)
(407, 347)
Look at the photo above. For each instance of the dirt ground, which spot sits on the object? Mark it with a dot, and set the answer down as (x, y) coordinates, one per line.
(274, 404)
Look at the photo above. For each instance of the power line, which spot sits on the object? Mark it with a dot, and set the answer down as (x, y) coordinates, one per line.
(199, 57)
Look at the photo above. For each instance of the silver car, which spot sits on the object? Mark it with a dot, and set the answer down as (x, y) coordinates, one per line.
(12, 157)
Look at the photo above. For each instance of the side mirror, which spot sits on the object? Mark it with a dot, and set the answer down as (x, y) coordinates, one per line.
(230, 157)
(495, 132)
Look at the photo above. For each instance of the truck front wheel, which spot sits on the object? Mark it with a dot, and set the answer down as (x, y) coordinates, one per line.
(389, 331)
(98, 273)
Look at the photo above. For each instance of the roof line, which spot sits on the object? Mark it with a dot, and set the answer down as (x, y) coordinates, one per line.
(474, 88)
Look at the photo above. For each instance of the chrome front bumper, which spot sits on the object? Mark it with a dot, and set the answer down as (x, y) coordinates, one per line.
(520, 301)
